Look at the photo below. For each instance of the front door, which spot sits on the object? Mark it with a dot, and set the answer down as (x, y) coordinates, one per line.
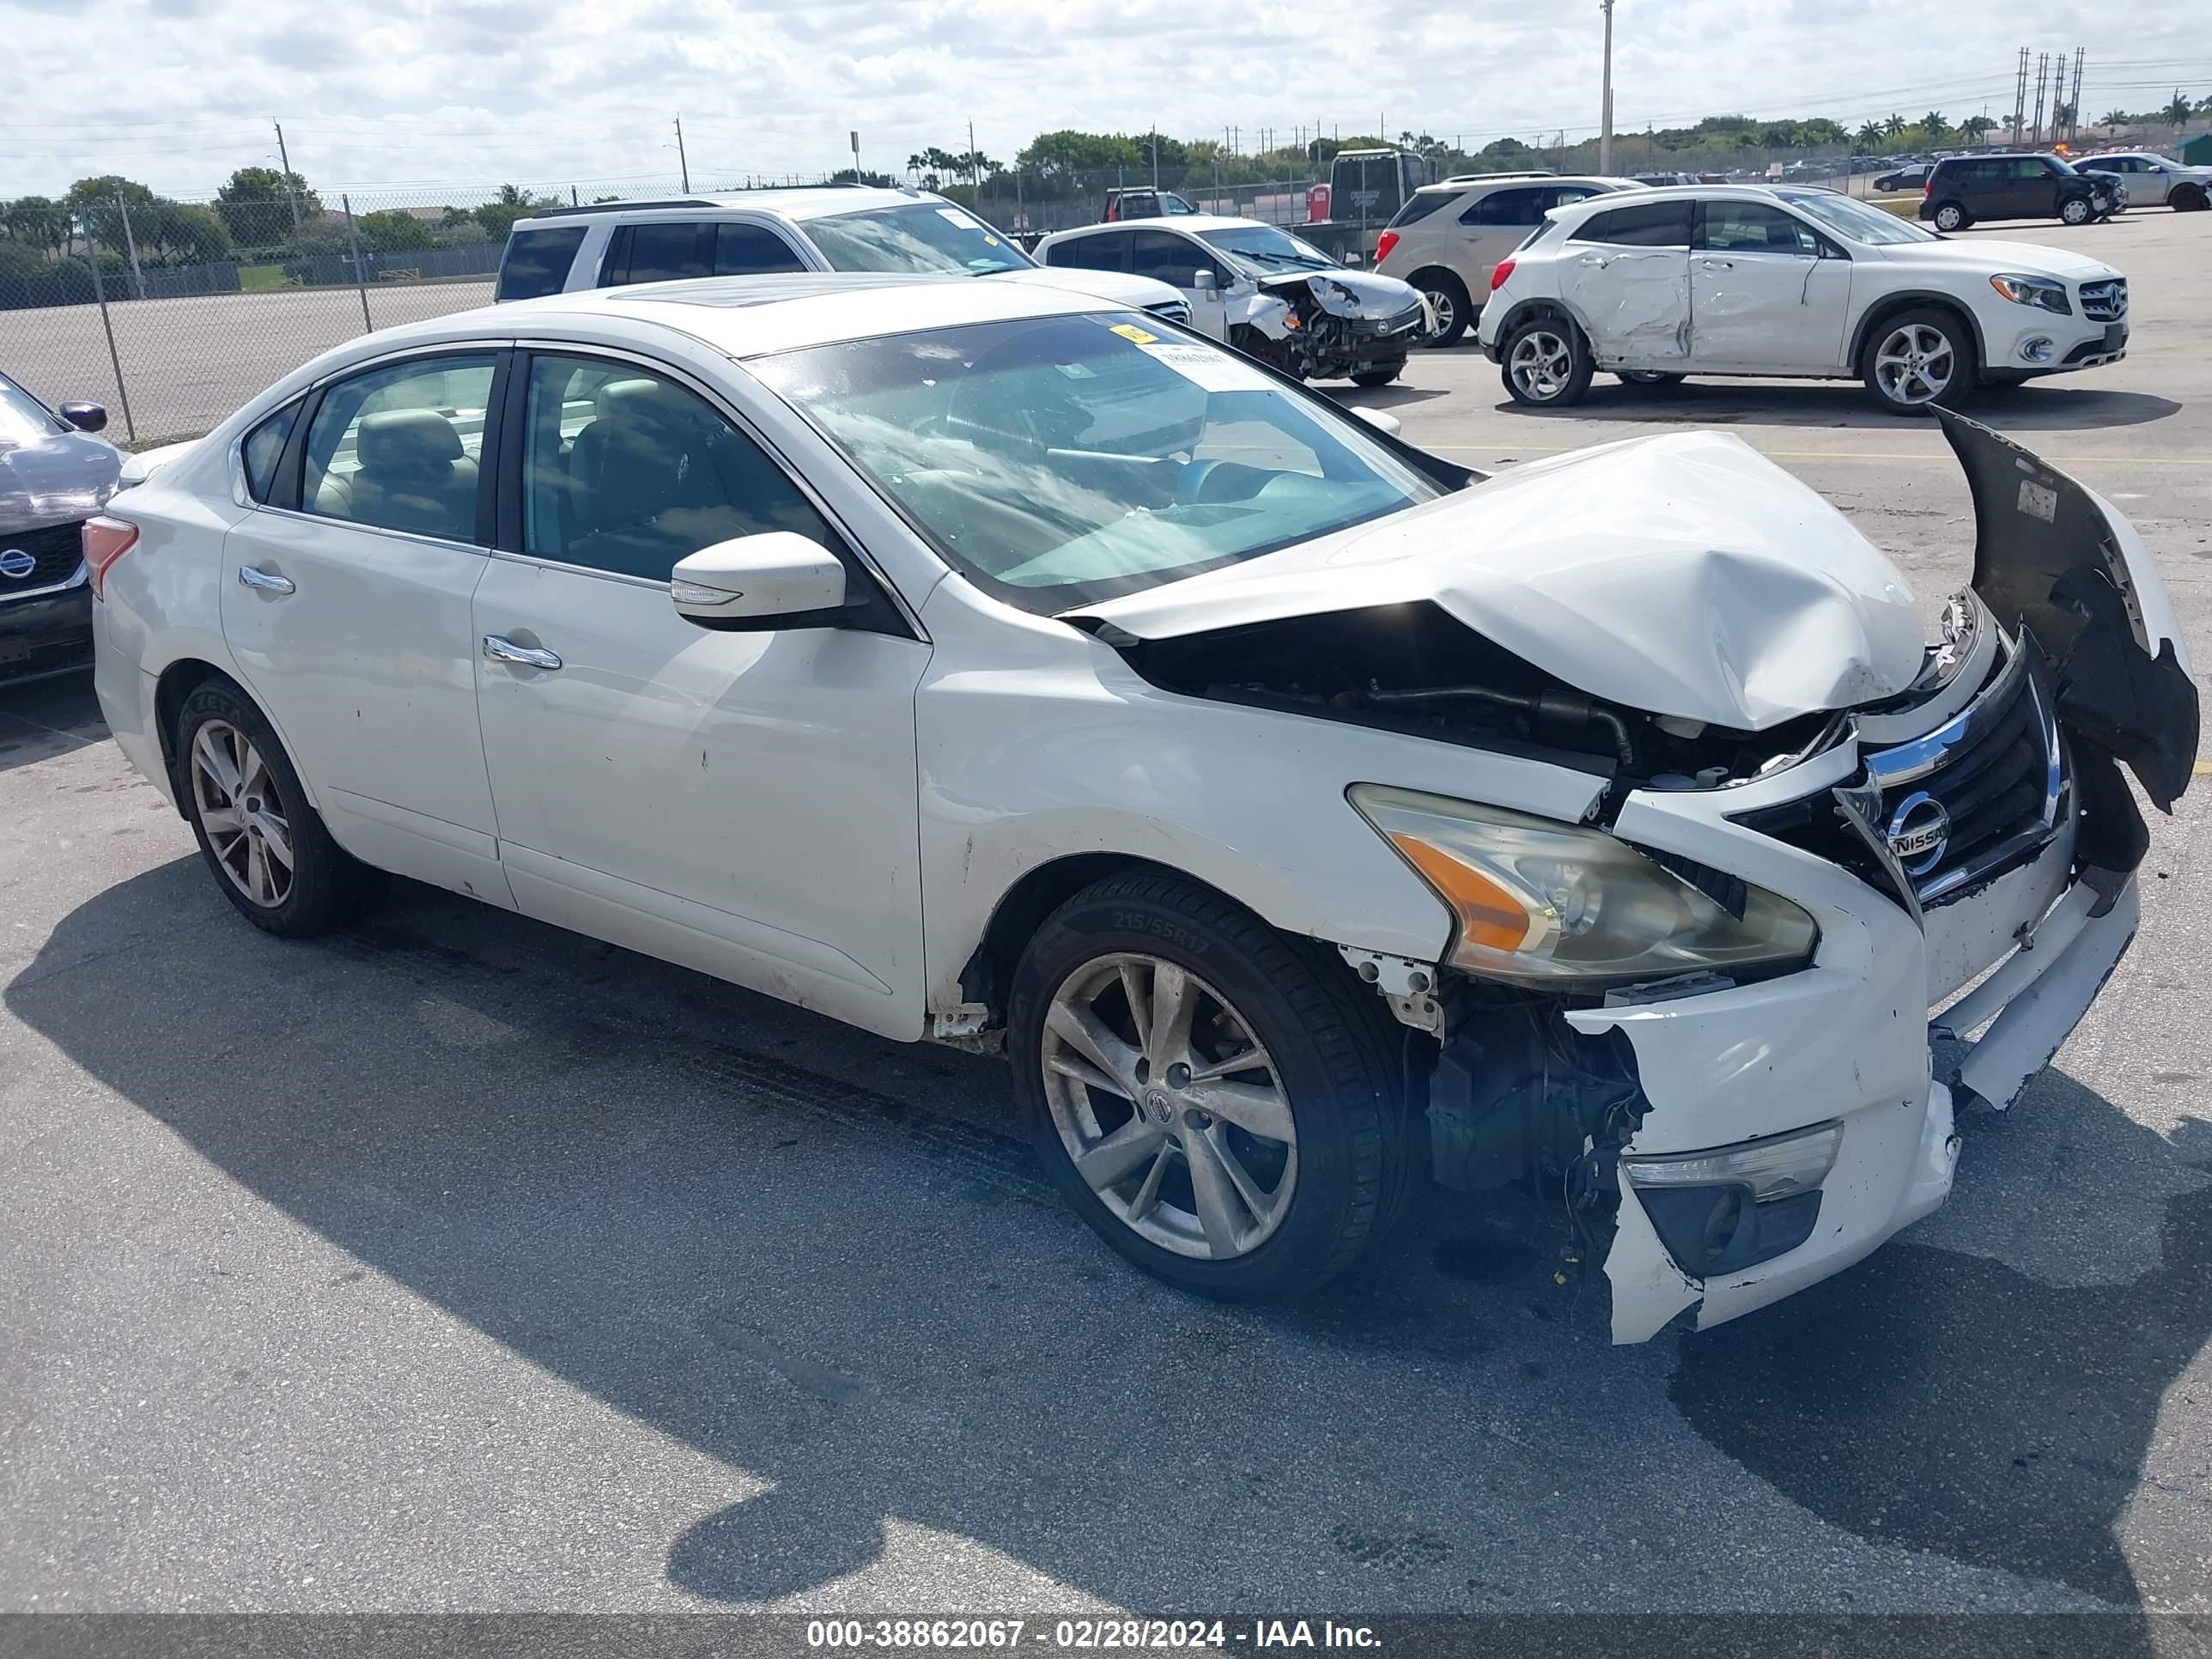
(1626, 276)
(1168, 257)
(1762, 294)
(743, 803)
(345, 605)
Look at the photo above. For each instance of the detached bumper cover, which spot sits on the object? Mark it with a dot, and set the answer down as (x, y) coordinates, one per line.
(1847, 1040)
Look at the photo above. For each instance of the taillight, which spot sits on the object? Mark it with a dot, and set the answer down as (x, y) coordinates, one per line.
(1497, 276)
(1928, 186)
(105, 540)
(1383, 244)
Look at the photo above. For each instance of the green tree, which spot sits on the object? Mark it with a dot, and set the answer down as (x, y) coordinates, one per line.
(1061, 159)
(2114, 118)
(181, 233)
(1975, 125)
(256, 205)
(1870, 134)
(1933, 124)
(498, 216)
(1893, 125)
(393, 230)
(37, 222)
(2178, 108)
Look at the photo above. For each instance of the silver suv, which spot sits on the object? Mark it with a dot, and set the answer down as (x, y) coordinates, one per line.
(1448, 237)
(759, 233)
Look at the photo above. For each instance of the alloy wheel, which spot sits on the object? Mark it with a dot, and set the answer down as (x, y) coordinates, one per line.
(235, 797)
(1169, 1106)
(1540, 363)
(1444, 309)
(1914, 364)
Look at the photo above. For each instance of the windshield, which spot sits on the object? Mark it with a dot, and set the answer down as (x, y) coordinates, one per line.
(23, 418)
(1855, 220)
(1057, 461)
(920, 236)
(1263, 251)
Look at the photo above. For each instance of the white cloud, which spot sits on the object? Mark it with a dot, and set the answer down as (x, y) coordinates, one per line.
(177, 92)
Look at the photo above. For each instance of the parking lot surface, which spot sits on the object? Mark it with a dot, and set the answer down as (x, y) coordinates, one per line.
(457, 1262)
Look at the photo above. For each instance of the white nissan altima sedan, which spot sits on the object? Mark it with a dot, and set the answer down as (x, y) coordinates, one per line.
(971, 662)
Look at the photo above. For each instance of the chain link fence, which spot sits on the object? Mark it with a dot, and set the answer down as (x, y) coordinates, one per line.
(174, 312)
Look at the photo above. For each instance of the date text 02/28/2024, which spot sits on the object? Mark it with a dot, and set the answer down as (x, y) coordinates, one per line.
(1086, 1634)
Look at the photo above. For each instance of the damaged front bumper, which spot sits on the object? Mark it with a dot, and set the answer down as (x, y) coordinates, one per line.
(2003, 839)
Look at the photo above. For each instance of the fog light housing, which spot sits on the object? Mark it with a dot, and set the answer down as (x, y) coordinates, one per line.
(1732, 1207)
(2038, 350)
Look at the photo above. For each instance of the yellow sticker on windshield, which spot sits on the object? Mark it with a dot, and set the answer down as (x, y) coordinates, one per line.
(1131, 332)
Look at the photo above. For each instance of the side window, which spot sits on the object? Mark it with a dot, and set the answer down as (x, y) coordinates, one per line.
(1106, 252)
(626, 471)
(397, 448)
(2034, 167)
(1756, 228)
(1657, 224)
(660, 252)
(751, 250)
(537, 261)
(1505, 207)
(1565, 194)
(1419, 207)
(264, 449)
(1170, 259)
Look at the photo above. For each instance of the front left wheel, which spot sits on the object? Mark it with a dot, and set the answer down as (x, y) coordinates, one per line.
(1919, 360)
(1221, 1104)
(265, 845)
(2076, 211)
(1546, 364)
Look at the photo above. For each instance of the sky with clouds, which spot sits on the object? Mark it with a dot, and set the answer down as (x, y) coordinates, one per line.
(429, 94)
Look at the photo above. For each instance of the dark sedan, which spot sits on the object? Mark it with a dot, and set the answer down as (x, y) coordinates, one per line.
(1912, 178)
(54, 474)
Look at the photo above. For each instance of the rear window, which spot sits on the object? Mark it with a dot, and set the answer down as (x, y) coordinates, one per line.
(1654, 224)
(1419, 207)
(537, 261)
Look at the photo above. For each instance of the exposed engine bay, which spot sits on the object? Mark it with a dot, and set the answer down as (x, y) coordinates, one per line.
(1331, 325)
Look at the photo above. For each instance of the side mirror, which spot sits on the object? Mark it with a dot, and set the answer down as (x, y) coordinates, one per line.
(755, 584)
(1380, 419)
(1202, 280)
(86, 417)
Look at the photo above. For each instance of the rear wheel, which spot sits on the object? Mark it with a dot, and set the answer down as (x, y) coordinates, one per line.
(1918, 360)
(265, 845)
(1649, 377)
(2075, 211)
(1449, 304)
(2189, 198)
(1545, 364)
(1953, 216)
(1219, 1102)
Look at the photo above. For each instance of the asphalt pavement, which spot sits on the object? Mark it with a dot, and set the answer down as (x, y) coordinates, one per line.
(457, 1262)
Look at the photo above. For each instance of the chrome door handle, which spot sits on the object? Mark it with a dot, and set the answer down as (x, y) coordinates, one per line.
(1717, 265)
(263, 582)
(501, 649)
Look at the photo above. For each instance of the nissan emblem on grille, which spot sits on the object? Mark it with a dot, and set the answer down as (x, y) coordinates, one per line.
(16, 563)
(1919, 831)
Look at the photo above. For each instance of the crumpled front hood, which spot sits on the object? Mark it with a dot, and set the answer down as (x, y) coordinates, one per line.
(2031, 258)
(1681, 574)
(53, 479)
(1119, 286)
(1372, 296)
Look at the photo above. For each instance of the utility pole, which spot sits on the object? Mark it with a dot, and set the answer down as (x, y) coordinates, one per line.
(2073, 105)
(285, 161)
(975, 170)
(683, 161)
(1604, 97)
(2020, 101)
(2042, 75)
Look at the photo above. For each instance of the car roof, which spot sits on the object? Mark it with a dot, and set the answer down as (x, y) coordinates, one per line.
(798, 203)
(1456, 187)
(1171, 221)
(755, 316)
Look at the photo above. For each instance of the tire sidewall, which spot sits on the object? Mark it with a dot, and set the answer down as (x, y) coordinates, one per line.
(1957, 214)
(2077, 210)
(1966, 359)
(1302, 1248)
(1454, 294)
(1578, 374)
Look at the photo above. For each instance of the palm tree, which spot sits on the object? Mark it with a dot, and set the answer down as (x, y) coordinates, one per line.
(1892, 126)
(2179, 107)
(1870, 134)
(1975, 125)
(2115, 118)
(1933, 124)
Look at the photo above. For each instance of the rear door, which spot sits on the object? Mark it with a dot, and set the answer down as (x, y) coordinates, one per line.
(1626, 274)
(1492, 226)
(345, 603)
(1765, 292)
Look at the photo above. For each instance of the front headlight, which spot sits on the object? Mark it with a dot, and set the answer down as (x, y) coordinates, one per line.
(1540, 903)
(2034, 291)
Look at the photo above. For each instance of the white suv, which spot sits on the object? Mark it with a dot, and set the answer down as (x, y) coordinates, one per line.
(761, 232)
(2149, 180)
(1745, 280)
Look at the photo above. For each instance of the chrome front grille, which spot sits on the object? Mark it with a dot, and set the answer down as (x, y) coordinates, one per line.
(55, 553)
(1983, 791)
(2105, 301)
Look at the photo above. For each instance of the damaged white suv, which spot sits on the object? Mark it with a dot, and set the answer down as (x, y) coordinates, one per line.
(1301, 809)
